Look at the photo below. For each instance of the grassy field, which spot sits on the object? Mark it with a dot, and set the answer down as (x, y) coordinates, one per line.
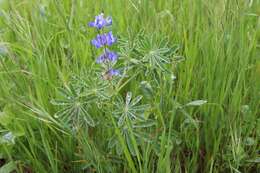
(187, 98)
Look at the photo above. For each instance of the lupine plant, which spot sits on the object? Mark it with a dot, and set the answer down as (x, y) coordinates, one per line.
(128, 113)
(78, 98)
(104, 40)
(132, 121)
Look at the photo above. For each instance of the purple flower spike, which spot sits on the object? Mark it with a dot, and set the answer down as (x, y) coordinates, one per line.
(100, 21)
(103, 39)
(99, 41)
(111, 56)
(108, 56)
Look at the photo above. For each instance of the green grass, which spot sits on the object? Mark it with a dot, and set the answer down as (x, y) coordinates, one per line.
(213, 49)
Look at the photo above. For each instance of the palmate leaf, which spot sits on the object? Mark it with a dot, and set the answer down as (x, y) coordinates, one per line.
(93, 86)
(73, 107)
(129, 109)
(155, 53)
(131, 121)
(76, 115)
(150, 51)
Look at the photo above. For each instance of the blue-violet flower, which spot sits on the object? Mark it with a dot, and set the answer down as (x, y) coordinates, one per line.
(107, 56)
(104, 39)
(113, 72)
(100, 21)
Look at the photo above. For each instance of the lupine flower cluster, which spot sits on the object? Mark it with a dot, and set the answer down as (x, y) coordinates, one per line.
(103, 40)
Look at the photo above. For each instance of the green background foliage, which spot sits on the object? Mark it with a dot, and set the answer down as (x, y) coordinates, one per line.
(188, 99)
